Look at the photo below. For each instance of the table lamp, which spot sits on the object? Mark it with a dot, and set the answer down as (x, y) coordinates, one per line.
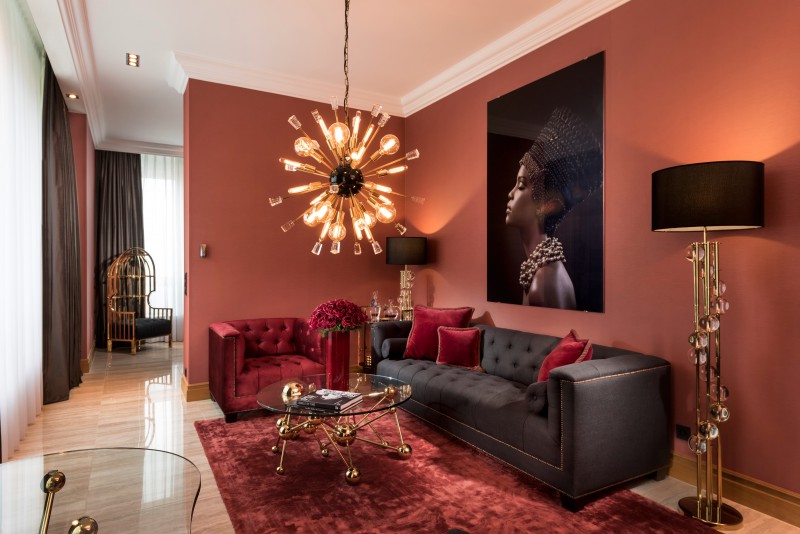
(718, 195)
(406, 251)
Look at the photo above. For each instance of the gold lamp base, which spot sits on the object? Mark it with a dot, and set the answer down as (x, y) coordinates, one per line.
(726, 515)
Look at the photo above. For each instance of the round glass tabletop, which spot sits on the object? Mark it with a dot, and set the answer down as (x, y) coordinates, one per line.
(377, 393)
(125, 490)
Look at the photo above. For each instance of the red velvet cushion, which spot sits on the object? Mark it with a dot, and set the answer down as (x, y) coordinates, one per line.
(423, 341)
(569, 350)
(459, 346)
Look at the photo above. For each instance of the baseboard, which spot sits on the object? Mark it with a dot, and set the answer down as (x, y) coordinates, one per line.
(86, 364)
(768, 499)
(194, 392)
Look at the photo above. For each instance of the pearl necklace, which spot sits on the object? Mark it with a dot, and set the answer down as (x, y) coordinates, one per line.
(548, 251)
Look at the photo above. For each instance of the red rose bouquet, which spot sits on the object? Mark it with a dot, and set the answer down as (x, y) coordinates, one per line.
(336, 315)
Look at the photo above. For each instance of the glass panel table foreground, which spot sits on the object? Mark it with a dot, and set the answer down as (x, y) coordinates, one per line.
(336, 430)
(123, 490)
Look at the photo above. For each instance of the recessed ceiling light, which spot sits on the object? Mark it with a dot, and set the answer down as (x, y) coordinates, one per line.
(72, 96)
(132, 59)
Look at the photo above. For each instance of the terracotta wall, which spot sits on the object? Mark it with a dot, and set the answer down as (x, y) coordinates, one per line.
(685, 82)
(83, 152)
(233, 139)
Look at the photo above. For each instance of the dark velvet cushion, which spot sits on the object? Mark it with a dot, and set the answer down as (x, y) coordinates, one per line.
(459, 346)
(536, 397)
(423, 341)
(146, 327)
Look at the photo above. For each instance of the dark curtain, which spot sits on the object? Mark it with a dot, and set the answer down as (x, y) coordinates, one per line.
(119, 220)
(61, 269)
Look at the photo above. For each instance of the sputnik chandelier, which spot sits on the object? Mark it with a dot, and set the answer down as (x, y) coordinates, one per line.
(350, 187)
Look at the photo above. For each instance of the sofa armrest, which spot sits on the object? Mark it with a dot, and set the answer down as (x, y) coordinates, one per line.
(308, 342)
(227, 348)
(611, 417)
(387, 330)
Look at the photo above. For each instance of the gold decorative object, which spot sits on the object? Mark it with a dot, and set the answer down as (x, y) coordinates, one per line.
(348, 186)
(292, 390)
(722, 195)
(83, 525)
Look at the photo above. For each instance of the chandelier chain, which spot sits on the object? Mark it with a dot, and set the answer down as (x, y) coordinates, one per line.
(346, 58)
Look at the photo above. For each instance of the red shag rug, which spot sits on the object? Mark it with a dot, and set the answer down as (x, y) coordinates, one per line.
(445, 484)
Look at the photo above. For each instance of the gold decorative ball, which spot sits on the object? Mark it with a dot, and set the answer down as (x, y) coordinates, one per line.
(390, 392)
(308, 428)
(292, 390)
(392, 409)
(280, 422)
(314, 420)
(287, 432)
(280, 470)
(353, 475)
(344, 433)
(275, 449)
(324, 452)
(404, 450)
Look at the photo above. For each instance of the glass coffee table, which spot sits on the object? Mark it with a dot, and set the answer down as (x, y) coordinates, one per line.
(120, 490)
(337, 430)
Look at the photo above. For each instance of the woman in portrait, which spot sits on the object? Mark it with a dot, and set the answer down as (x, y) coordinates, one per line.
(563, 166)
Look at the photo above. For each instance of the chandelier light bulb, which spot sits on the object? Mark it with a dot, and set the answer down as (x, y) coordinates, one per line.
(340, 134)
(386, 213)
(369, 219)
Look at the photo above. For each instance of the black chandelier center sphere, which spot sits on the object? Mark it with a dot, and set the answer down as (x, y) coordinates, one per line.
(349, 180)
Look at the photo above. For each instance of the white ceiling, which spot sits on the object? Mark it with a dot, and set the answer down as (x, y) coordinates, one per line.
(404, 54)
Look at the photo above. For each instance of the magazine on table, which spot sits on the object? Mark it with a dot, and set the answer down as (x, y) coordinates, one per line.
(329, 399)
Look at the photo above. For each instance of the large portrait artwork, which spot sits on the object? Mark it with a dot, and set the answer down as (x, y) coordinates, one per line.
(545, 191)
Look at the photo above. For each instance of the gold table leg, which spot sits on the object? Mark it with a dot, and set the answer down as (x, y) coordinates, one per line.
(341, 434)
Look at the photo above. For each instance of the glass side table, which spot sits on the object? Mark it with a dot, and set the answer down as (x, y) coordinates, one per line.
(125, 490)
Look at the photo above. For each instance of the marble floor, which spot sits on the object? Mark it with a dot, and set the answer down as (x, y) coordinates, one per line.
(136, 401)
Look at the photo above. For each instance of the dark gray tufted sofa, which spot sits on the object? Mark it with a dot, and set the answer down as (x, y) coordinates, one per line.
(592, 425)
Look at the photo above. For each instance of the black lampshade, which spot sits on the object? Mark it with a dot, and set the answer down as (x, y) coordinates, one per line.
(406, 250)
(718, 195)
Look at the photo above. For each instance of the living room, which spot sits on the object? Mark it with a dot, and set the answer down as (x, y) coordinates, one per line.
(685, 82)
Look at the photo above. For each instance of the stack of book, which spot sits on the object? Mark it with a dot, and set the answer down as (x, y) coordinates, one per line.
(329, 399)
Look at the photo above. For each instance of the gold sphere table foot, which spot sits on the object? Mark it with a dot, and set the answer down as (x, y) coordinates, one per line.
(727, 515)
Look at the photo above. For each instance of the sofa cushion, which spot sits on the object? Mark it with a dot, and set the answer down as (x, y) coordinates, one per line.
(147, 327)
(260, 372)
(423, 341)
(569, 350)
(459, 346)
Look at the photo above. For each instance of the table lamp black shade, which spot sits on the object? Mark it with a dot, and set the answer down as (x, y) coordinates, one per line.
(406, 250)
(717, 195)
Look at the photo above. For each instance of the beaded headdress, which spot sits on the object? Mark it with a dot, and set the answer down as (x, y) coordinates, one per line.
(565, 163)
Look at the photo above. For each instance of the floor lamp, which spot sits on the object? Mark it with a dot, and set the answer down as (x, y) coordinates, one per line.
(719, 195)
(406, 251)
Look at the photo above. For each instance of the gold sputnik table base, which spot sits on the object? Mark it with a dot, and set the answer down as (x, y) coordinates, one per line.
(340, 432)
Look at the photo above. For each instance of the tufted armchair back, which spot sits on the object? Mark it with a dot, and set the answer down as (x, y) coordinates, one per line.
(273, 337)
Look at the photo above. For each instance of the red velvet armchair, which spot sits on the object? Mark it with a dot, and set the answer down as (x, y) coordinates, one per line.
(246, 355)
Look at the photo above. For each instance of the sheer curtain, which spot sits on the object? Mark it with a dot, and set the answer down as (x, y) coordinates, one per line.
(162, 207)
(21, 82)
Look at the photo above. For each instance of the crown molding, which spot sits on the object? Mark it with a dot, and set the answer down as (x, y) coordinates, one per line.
(140, 147)
(176, 76)
(212, 70)
(76, 28)
(559, 20)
